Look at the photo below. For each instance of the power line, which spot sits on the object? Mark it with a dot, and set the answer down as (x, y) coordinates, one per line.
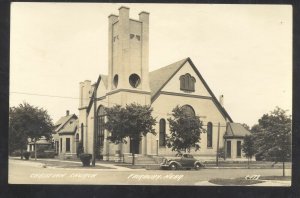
(67, 97)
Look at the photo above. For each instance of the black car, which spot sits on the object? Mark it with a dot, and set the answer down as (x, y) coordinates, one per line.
(181, 161)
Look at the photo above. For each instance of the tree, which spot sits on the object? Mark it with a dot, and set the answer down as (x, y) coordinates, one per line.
(26, 121)
(133, 122)
(249, 148)
(185, 130)
(273, 136)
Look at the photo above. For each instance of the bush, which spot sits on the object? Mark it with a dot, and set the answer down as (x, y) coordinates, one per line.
(16, 153)
(79, 149)
(85, 159)
(26, 154)
(43, 154)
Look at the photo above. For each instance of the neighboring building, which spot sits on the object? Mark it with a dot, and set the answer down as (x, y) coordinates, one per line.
(65, 136)
(129, 81)
(42, 142)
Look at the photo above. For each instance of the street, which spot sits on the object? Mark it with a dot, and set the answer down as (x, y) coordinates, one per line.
(28, 172)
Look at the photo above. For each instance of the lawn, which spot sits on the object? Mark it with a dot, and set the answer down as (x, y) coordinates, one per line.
(234, 182)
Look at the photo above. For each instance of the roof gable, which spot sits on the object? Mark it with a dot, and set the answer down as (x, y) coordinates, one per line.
(159, 78)
(62, 121)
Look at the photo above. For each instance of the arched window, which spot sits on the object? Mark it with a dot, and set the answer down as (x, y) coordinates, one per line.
(77, 137)
(162, 132)
(188, 110)
(187, 82)
(209, 134)
(100, 130)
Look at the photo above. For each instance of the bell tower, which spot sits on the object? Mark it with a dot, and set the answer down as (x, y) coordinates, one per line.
(128, 65)
(128, 55)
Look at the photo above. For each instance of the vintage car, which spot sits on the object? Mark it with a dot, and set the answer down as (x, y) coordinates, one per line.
(181, 161)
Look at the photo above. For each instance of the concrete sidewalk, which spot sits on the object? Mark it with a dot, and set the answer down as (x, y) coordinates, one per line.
(41, 163)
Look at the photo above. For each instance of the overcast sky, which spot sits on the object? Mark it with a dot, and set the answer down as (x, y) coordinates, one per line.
(243, 51)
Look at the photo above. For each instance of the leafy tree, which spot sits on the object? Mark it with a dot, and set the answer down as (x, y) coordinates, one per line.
(249, 148)
(133, 122)
(273, 136)
(185, 131)
(26, 121)
(246, 126)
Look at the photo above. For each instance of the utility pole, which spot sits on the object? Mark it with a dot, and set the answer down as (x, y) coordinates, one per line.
(217, 154)
(95, 127)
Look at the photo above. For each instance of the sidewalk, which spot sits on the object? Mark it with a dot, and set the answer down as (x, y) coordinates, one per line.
(69, 164)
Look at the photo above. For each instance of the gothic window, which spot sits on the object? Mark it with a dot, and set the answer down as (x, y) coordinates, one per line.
(100, 129)
(188, 110)
(209, 134)
(162, 132)
(187, 82)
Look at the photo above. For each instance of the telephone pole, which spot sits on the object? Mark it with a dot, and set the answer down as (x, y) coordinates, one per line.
(217, 155)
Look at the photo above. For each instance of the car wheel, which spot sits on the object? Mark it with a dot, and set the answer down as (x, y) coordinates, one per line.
(198, 166)
(173, 166)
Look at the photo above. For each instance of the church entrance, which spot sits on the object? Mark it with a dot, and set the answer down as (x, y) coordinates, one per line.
(134, 146)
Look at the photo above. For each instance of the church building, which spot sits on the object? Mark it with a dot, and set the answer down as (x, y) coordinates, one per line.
(129, 81)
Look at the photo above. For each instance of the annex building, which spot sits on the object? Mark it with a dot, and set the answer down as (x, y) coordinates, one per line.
(129, 81)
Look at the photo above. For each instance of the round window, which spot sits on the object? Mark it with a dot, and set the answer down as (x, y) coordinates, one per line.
(116, 80)
(134, 80)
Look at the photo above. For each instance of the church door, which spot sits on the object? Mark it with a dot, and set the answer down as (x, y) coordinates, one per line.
(134, 146)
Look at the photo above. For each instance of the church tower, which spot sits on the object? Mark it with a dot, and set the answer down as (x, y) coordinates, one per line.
(128, 58)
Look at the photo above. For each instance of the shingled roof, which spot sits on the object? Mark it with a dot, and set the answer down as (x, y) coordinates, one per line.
(69, 127)
(158, 78)
(236, 130)
(62, 121)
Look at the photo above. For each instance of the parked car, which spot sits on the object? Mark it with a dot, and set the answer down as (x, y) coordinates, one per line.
(181, 161)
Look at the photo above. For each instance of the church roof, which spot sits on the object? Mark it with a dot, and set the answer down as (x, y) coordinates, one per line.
(236, 130)
(158, 78)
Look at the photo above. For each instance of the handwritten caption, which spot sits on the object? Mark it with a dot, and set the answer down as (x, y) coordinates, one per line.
(57, 175)
(155, 177)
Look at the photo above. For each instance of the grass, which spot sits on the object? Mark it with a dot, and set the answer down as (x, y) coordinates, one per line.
(281, 178)
(234, 182)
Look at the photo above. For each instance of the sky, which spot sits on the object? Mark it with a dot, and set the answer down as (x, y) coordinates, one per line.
(243, 52)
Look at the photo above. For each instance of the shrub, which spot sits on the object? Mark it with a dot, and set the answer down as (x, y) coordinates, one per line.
(16, 153)
(85, 159)
(43, 154)
(79, 149)
(26, 154)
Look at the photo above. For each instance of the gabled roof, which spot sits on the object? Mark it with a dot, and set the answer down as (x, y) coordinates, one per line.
(69, 127)
(236, 130)
(62, 121)
(159, 78)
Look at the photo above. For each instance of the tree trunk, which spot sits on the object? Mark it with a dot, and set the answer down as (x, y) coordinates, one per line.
(21, 153)
(133, 158)
(248, 163)
(35, 149)
(283, 169)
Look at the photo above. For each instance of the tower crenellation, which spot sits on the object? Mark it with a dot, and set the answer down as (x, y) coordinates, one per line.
(128, 51)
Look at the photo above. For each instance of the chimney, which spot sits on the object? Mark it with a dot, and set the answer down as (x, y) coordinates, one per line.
(221, 100)
(67, 112)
